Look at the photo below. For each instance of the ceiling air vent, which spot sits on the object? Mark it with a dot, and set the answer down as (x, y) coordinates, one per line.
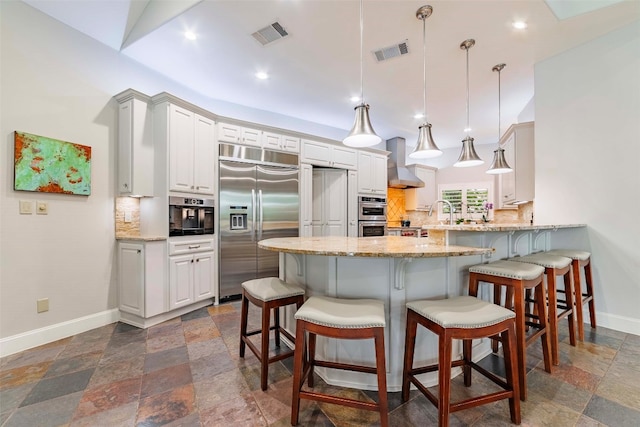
(270, 33)
(392, 51)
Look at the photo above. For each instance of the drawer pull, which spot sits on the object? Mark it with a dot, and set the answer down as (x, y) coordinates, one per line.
(194, 246)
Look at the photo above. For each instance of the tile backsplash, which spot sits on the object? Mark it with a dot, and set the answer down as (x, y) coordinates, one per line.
(395, 207)
(127, 205)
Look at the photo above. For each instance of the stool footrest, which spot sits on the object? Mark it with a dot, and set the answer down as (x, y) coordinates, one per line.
(344, 401)
(345, 366)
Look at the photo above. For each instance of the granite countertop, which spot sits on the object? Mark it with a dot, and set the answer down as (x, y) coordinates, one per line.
(141, 238)
(381, 247)
(499, 227)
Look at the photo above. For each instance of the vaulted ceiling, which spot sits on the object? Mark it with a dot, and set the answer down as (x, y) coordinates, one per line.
(315, 69)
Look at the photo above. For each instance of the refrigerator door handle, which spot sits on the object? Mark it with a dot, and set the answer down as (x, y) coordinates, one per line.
(254, 220)
(260, 212)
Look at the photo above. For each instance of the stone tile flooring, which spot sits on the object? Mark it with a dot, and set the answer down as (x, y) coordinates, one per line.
(186, 372)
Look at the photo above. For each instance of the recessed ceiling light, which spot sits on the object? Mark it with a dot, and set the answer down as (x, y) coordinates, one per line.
(355, 99)
(467, 130)
(262, 75)
(418, 116)
(519, 25)
(190, 35)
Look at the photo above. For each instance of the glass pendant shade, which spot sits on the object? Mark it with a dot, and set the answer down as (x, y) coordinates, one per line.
(499, 164)
(362, 133)
(468, 156)
(426, 148)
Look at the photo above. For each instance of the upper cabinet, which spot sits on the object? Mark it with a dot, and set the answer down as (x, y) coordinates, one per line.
(328, 155)
(372, 173)
(518, 186)
(239, 134)
(275, 141)
(135, 145)
(191, 151)
(421, 198)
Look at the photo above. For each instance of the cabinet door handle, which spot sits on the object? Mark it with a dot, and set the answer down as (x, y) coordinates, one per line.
(125, 185)
(194, 246)
(197, 259)
(139, 251)
(191, 261)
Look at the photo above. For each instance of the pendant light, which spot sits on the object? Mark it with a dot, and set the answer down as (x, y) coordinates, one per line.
(425, 148)
(362, 133)
(499, 164)
(468, 156)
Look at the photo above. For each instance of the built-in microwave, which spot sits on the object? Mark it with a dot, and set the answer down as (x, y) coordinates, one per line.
(189, 216)
(372, 208)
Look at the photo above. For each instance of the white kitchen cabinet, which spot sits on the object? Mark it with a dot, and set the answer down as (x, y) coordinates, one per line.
(329, 210)
(275, 141)
(421, 198)
(192, 275)
(306, 199)
(372, 173)
(517, 186)
(191, 151)
(352, 204)
(237, 134)
(141, 278)
(327, 155)
(135, 145)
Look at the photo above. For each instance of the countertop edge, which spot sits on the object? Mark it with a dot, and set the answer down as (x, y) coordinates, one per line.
(141, 238)
(500, 227)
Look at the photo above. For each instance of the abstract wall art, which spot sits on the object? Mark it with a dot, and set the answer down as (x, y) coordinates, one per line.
(51, 166)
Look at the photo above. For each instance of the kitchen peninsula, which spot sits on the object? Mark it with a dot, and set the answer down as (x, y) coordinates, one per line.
(396, 270)
(392, 269)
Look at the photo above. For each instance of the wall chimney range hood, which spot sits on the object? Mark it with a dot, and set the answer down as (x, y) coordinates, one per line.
(398, 175)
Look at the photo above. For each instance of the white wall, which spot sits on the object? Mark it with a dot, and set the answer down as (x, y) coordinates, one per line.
(587, 109)
(59, 83)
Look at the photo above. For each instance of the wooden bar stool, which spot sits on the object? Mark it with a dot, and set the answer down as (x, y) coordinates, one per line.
(267, 293)
(341, 319)
(580, 259)
(517, 277)
(464, 318)
(555, 265)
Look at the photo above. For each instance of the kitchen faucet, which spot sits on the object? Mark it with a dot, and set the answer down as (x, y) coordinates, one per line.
(450, 209)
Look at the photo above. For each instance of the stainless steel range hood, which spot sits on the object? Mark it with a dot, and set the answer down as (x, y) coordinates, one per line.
(398, 176)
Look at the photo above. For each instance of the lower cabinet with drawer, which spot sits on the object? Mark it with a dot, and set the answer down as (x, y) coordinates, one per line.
(160, 280)
(192, 272)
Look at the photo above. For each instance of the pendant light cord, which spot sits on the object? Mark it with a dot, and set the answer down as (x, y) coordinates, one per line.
(499, 71)
(468, 127)
(424, 69)
(361, 61)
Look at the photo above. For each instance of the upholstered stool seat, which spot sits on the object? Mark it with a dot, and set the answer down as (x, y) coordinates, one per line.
(555, 265)
(341, 319)
(463, 318)
(267, 293)
(583, 295)
(517, 277)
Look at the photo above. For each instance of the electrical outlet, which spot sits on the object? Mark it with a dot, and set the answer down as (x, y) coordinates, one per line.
(127, 216)
(42, 208)
(43, 305)
(26, 207)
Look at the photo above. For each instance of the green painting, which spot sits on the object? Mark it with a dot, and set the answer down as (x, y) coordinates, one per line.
(51, 166)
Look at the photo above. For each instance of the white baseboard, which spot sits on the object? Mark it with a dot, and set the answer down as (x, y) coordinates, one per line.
(626, 324)
(36, 337)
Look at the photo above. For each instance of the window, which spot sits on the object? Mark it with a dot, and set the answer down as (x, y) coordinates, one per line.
(468, 200)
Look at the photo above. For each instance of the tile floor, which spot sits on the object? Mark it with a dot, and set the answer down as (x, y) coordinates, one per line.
(186, 372)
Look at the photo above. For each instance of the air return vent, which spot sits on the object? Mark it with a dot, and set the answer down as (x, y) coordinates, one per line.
(389, 52)
(270, 33)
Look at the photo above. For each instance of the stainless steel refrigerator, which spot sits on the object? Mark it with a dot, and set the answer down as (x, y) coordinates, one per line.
(258, 201)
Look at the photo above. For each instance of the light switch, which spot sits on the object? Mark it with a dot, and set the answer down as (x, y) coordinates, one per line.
(42, 208)
(26, 207)
(127, 216)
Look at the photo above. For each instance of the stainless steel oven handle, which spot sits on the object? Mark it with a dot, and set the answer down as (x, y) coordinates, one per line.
(253, 215)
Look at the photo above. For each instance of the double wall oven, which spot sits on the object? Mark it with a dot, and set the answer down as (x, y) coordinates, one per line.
(372, 216)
